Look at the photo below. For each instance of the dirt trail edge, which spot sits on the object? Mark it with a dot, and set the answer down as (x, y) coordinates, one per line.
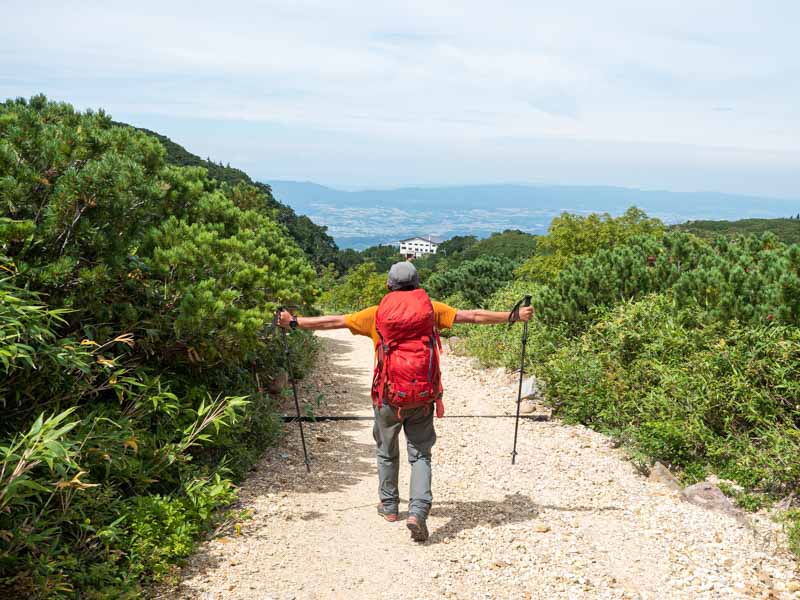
(572, 519)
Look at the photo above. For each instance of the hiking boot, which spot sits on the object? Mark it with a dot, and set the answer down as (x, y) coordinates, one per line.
(416, 525)
(387, 513)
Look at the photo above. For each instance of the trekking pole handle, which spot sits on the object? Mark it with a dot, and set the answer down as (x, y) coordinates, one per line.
(513, 316)
(526, 302)
(277, 318)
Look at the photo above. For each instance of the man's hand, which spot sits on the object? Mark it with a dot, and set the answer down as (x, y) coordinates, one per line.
(284, 319)
(525, 313)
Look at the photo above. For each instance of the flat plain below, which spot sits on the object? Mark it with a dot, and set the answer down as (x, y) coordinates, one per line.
(572, 519)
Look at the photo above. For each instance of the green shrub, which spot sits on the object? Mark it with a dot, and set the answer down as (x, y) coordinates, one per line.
(753, 280)
(687, 393)
(500, 346)
(475, 281)
(133, 316)
(165, 529)
(362, 287)
(570, 236)
(512, 245)
(793, 530)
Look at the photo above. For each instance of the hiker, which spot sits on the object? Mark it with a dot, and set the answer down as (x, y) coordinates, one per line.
(407, 383)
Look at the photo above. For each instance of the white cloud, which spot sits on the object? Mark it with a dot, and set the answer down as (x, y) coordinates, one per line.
(454, 76)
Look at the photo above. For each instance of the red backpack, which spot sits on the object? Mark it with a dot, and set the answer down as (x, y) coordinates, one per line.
(407, 371)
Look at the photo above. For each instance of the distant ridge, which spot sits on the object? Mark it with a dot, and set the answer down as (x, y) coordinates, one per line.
(358, 219)
(610, 198)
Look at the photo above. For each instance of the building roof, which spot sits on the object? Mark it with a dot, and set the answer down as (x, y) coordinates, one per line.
(419, 237)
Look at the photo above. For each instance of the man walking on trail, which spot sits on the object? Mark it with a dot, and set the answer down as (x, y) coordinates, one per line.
(404, 330)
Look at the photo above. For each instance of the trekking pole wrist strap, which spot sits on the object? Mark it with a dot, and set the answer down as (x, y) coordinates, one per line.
(513, 316)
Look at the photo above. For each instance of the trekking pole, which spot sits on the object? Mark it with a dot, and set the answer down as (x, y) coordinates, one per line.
(288, 356)
(525, 302)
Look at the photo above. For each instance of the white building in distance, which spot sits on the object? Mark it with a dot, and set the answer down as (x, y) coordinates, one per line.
(417, 246)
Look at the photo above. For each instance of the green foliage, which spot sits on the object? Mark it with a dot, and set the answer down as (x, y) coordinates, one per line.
(445, 274)
(571, 235)
(792, 520)
(133, 312)
(245, 268)
(511, 244)
(687, 392)
(165, 529)
(327, 278)
(362, 287)
(750, 501)
(313, 239)
(756, 280)
(348, 259)
(475, 281)
(786, 230)
(456, 245)
(383, 257)
(501, 345)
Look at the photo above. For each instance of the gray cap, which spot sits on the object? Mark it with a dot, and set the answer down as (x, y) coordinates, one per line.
(403, 274)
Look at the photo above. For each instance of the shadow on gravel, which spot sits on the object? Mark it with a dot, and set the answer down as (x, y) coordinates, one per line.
(514, 508)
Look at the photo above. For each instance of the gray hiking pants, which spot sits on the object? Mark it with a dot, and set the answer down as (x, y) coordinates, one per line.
(417, 424)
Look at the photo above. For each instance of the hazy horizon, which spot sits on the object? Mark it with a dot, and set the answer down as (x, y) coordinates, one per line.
(413, 185)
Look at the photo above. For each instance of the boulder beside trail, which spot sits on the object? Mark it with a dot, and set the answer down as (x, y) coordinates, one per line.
(531, 388)
(709, 496)
(457, 345)
(661, 474)
(278, 383)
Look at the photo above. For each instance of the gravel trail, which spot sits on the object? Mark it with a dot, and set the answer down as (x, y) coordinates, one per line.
(572, 519)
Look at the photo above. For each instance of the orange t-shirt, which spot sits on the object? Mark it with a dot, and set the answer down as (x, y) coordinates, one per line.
(363, 322)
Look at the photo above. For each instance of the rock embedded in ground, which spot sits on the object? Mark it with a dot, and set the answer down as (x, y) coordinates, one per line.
(661, 474)
(453, 343)
(278, 383)
(709, 496)
(530, 388)
(476, 364)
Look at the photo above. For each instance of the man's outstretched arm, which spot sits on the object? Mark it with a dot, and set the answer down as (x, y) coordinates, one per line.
(325, 322)
(490, 317)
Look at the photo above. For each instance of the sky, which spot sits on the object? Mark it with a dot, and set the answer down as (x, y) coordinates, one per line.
(679, 95)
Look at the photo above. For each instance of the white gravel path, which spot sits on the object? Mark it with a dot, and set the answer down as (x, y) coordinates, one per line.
(572, 519)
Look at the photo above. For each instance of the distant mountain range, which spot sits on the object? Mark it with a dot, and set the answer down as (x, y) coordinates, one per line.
(357, 219)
